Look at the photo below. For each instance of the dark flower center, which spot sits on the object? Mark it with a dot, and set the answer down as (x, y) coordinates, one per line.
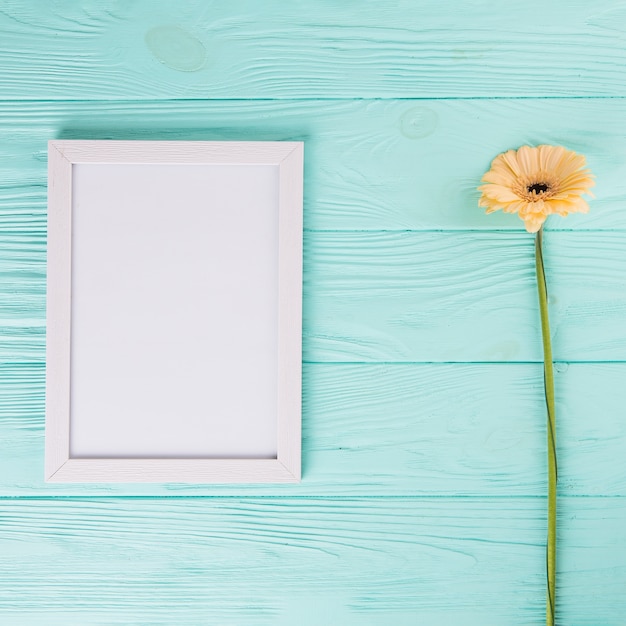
(537, 188)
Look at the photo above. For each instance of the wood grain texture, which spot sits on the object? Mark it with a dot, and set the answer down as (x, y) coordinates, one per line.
(390, 296)
(445, 297)
(246, 49)
(376, 165)
(406, 296)
(392, 430)
(307, 561)
(423, 493)
(58, 310)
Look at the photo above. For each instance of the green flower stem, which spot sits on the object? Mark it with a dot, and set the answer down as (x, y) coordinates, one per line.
(548, 379)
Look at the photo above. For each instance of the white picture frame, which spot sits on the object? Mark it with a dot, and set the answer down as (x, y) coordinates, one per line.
(132, 228)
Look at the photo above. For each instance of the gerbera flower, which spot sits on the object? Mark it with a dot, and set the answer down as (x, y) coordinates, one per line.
(535, 183)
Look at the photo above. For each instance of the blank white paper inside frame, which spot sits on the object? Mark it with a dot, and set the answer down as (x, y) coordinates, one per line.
(173, 335)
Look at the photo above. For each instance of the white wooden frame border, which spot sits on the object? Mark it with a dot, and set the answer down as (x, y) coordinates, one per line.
(59, 467)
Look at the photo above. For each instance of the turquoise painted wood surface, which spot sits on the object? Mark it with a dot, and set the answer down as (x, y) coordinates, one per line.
(392, 429)
(370, 164)
(371, 561)
(271, 49)
(395, 297)
(423, 493)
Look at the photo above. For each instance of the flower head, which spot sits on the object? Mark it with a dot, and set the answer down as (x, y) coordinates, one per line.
(535, 183)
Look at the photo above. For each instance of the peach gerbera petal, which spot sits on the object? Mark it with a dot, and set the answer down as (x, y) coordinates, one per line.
(509, 160)
(498, 177)
(500, 193)
(528, 158)
(536, 182)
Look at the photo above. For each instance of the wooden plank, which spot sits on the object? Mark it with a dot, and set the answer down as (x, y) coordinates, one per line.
(377, 165)
(444, 297)
(398, 430)
(22, 296)
(246, 49)
(406, 296)
(309, 562)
